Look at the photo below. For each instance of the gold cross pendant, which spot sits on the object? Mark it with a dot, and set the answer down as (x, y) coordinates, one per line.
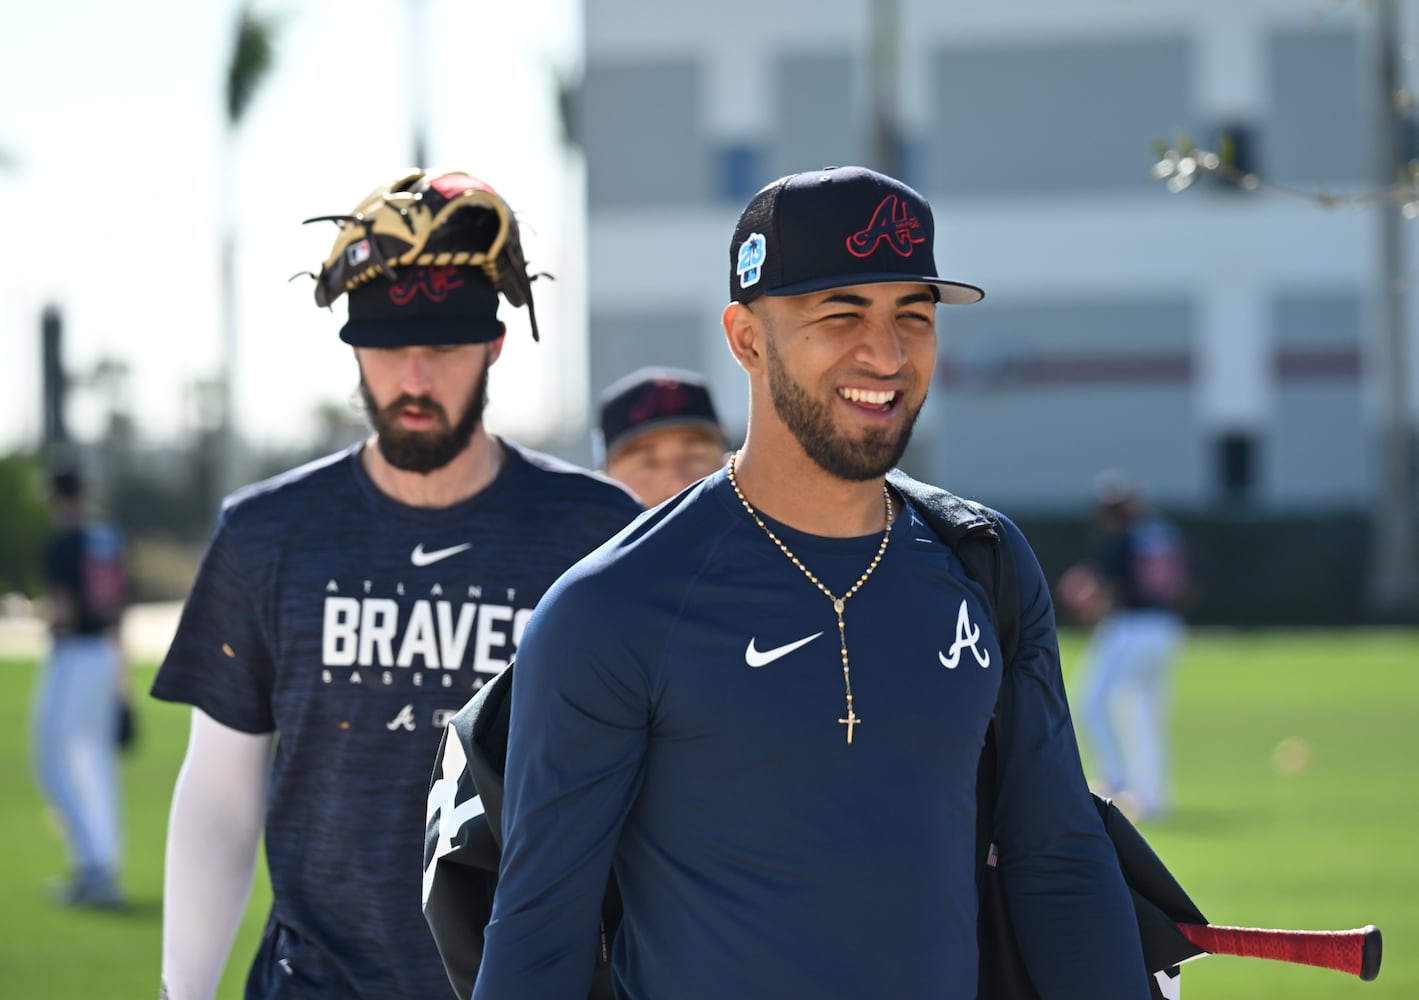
(850, 721)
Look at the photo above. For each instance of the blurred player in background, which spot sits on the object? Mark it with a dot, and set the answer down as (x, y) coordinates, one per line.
(1131, 592)
(345, 609)
(83, 692)
(659, 432)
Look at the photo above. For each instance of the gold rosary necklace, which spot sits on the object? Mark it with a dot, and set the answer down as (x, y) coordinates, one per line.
(838, 602)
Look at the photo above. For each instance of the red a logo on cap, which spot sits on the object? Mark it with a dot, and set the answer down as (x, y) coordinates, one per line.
(434, 282)
(665, 399)
(890, 222)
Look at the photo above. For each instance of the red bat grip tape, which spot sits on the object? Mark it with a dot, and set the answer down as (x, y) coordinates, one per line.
(1356, 952)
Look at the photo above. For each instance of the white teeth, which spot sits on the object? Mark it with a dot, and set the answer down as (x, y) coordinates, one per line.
(867, 396)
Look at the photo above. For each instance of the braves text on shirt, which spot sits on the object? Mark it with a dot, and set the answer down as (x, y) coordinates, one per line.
(441, 631)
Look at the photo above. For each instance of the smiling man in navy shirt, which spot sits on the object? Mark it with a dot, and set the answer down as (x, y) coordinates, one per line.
(763, 704)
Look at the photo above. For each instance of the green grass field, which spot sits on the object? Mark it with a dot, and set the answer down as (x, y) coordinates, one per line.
(1331, 846)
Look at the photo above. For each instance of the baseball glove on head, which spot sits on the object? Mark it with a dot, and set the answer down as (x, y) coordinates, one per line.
(449, 219)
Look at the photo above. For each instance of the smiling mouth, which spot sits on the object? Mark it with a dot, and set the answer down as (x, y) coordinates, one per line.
(881, 400)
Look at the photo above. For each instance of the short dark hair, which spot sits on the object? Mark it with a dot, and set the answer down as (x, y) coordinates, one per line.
(67, 484)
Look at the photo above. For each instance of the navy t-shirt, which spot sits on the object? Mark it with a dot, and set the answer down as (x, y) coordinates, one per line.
(677, 715)
(1146, 565)
(353, 626)
(86, 562)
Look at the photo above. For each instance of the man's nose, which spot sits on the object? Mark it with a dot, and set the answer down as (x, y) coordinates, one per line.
(880, 347)
(414, 374)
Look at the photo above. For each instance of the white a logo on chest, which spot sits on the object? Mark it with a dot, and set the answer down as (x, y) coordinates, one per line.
(967, 637)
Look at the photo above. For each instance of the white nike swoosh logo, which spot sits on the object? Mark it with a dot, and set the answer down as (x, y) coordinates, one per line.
(755, 658)
(421, 558)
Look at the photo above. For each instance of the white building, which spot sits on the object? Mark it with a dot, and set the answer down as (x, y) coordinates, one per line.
(1219, 345)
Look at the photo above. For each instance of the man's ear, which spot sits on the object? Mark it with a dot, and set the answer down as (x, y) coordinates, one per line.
(495, 348)
(744, 331)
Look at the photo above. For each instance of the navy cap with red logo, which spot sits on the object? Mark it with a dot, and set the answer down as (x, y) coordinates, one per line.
(833, 227)
(424, 307)
(651, 399)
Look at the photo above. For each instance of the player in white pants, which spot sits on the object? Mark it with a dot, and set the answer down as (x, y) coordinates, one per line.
(1126, 702)
(1140, 571)
(76, 709)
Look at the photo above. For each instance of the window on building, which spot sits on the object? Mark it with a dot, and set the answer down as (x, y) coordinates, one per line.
(642, 128)
(1055, 119)
(1236, 466)
(740, 172)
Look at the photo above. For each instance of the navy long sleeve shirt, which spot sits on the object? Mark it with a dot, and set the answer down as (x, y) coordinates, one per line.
(675, 715)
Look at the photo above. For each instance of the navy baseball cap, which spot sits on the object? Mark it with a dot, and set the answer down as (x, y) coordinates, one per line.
(832, 227)
(424, 307)
(652, 399)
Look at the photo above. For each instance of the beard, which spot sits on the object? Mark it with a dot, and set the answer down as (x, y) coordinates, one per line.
(423, 451)
(811, 422)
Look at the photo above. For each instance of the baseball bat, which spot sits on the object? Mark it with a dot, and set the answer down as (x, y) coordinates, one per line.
(1356, 952)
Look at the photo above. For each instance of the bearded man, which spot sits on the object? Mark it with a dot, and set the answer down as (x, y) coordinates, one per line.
(345, 609)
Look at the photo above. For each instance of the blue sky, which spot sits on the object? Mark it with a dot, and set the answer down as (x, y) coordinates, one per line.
(115, 196)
